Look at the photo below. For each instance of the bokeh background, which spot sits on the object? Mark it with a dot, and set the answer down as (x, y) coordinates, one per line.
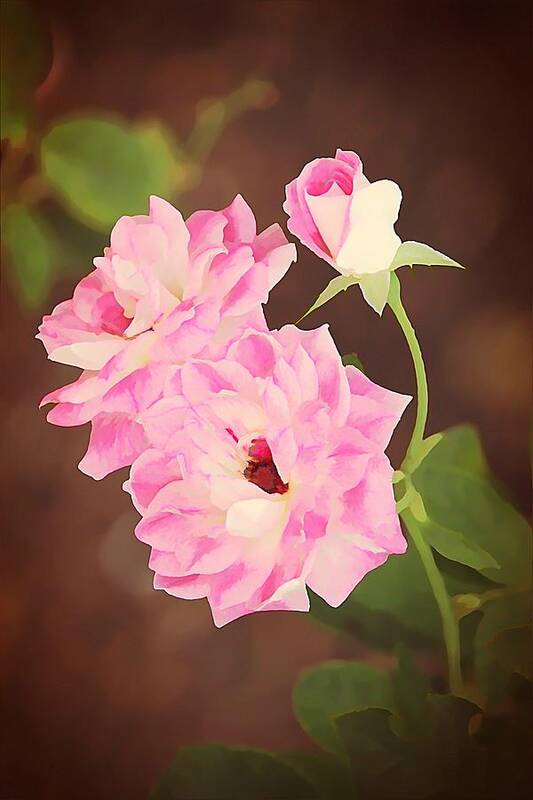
(102, 677)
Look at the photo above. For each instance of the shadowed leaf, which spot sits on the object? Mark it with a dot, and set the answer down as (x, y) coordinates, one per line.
(385, 765)
(31, 252)
(512, 648)
(221, 772)
(499, 651)
(334, 688)
(409, 690)
(25, 59)
(328, 774)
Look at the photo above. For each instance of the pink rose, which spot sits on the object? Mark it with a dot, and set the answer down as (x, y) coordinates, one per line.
(346, 220)
(165, 290)
(266, 474)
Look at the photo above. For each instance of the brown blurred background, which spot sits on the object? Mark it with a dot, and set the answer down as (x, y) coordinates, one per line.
(102, 677)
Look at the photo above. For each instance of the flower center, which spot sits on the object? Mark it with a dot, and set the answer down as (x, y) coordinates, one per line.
(261, 469)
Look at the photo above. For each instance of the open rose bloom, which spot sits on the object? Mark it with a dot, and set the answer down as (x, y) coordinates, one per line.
(349, 222)
(257, 459)
(266, 474)
(165, 290)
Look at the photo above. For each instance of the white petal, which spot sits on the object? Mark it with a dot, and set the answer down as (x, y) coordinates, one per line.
(238, 413)
(292, 594)
(255, 518)
(371, 243)
(88, 355)
(225, 492)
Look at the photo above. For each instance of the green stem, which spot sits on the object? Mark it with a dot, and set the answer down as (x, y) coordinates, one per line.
(450, 626)
(395, 302)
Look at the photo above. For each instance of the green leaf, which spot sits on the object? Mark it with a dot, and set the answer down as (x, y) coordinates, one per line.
(220, 772)
(165, 159)
(334, 688)
(460, 578)
(353, 360)
(506, 741)
(385, 765)
(498, 653)
(76, 245)
(397, 591)
(327, 774)
(409, 691)
(468, 520)
(395, 602)
(375, 289)
(512, 649)
(103, 168)
(30, 249)
(457, 547)
(25, 59)
(423, 450)
(410, 253)
(448, 727)
(400, 587)
(336, 285)
(463, 449)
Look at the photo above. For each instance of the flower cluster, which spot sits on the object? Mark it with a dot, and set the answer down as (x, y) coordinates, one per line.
(256, 458)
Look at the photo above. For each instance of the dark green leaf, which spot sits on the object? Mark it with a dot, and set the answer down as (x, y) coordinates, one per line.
(25, 59)
(506, 739)
(353, 360)
(30, 249)
(409, 691)
(400, 590)
(328, 774)
(469, 521)
(513, 649)
(447, 729)
(334, 688)
(385, 765)
(220, 772)
(460, 578)
(395, 602)
(76, 244)
(496, 659)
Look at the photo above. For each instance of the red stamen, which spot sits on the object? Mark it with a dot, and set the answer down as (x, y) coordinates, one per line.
(261, 469)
